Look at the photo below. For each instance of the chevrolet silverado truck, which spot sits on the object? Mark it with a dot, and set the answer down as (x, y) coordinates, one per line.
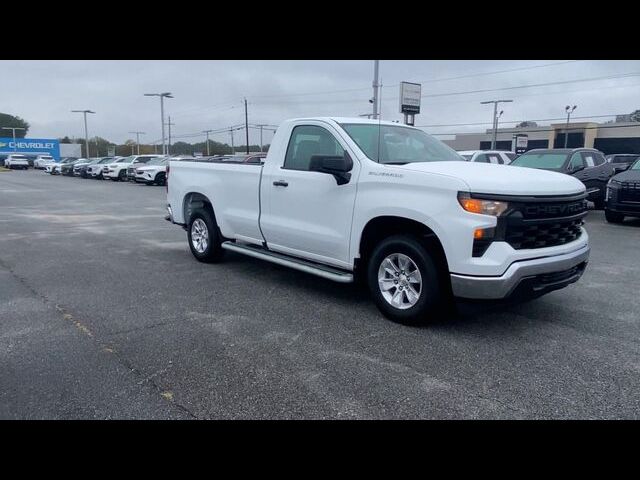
(351, 199)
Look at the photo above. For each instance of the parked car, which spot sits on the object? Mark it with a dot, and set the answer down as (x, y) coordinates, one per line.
(42, 161)
(343, 198)
(95, 169)
(623, 195)
(622, 158)
(137, 161)
(55, 168)
(16, 161)
(499, 157)
(586, 164)
(80, 167)
(117, 170)
(153, 172)
(67, 167)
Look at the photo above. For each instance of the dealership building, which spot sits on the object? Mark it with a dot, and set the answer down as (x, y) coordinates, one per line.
(32, 147)
(618, 137)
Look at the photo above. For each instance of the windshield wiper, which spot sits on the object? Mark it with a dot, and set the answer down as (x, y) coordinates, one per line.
(395, 163)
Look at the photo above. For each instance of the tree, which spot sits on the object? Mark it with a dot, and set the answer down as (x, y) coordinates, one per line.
(635, 116)
(7, 120)
(65, 140)
(527, 123)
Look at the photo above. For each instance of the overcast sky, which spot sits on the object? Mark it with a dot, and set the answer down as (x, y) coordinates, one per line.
(209, 94)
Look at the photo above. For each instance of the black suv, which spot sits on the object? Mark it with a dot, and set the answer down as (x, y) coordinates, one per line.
(586, 164)
(623, 195)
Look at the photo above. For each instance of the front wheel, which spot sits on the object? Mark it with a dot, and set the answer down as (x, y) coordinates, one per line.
(160, 179)
(613, 217)
(204, 240)
(403, 280)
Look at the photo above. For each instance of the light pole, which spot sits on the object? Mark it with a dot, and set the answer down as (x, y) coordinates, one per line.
(374, 100)
(162, 97)
(13, 131)
(86, 133)
(233, 149)
(207, 133)
(569, 111)
(495, 118)
(138, 140)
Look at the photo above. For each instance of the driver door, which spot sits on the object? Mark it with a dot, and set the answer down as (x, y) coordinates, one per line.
(306, 213)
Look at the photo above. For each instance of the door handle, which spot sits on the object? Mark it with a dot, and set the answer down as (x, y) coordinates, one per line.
(281, 183)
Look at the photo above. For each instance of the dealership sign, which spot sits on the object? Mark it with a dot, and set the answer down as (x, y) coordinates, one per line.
(43, 146)
(410, 97)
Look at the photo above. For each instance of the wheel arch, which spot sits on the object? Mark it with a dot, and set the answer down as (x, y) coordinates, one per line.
(383, 226)
(193, 201)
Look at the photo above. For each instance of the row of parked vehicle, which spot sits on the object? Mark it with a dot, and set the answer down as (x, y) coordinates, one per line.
(149, 169)
(603, 176)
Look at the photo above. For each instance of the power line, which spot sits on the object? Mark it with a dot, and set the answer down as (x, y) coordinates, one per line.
(479, 74)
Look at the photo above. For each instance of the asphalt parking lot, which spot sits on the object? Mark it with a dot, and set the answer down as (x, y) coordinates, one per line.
(104, 313)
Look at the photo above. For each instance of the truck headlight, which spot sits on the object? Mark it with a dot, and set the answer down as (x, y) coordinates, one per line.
(483, 207)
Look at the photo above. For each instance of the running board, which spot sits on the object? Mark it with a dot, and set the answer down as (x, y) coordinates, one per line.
(323, 271)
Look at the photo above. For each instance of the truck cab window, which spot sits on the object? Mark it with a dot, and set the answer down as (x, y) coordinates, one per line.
(307, 141)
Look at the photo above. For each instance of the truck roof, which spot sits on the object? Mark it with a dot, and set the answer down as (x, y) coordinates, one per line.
(352, 120)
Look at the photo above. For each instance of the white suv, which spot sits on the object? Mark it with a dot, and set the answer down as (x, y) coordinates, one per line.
(117, 170)
(16, 161)
(499, 157)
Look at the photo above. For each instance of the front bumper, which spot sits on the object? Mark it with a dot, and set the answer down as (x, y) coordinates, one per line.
(536, 276)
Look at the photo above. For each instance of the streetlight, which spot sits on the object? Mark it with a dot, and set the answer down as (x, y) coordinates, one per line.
(13, 129)
(138, 140)
(495, 118)
(569, 111)
(162, 97)
(86, 134)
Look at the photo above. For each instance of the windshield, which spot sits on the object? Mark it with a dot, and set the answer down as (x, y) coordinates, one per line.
(544, 160)
(19, 157)
(46, 158)
(157, 161)
(392, 144)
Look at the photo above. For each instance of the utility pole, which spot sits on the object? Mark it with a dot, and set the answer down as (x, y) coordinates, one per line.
(169, 146)
(162, 97)
(495, 119)
(13, 130)
(207, 133)
(374, 100)
(86, 134)
(569, 111)
(137, 141)
(246, 124)
(261, 126)
(233, 149)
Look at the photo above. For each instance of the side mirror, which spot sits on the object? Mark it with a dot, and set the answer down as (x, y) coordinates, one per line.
(575, 169)
(620, 167)
(338, 166)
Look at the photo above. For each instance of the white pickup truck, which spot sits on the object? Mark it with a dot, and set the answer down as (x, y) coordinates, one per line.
(349, 198)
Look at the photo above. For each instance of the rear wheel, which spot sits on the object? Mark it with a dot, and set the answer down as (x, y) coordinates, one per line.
(613, 217)
(404, 282)
(204, 240)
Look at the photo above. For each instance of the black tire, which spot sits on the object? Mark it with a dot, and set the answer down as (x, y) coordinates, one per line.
(122, 176)
(159, 180)
(613, 217)
(431, 295)
(213, 251)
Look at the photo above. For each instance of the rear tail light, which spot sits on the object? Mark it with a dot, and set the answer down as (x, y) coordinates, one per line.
(166, 177)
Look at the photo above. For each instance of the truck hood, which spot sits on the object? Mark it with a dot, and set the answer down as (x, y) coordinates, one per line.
(501, 179)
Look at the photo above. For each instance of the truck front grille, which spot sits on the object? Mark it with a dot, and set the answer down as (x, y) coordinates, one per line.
(629, 192)
(543, 234)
